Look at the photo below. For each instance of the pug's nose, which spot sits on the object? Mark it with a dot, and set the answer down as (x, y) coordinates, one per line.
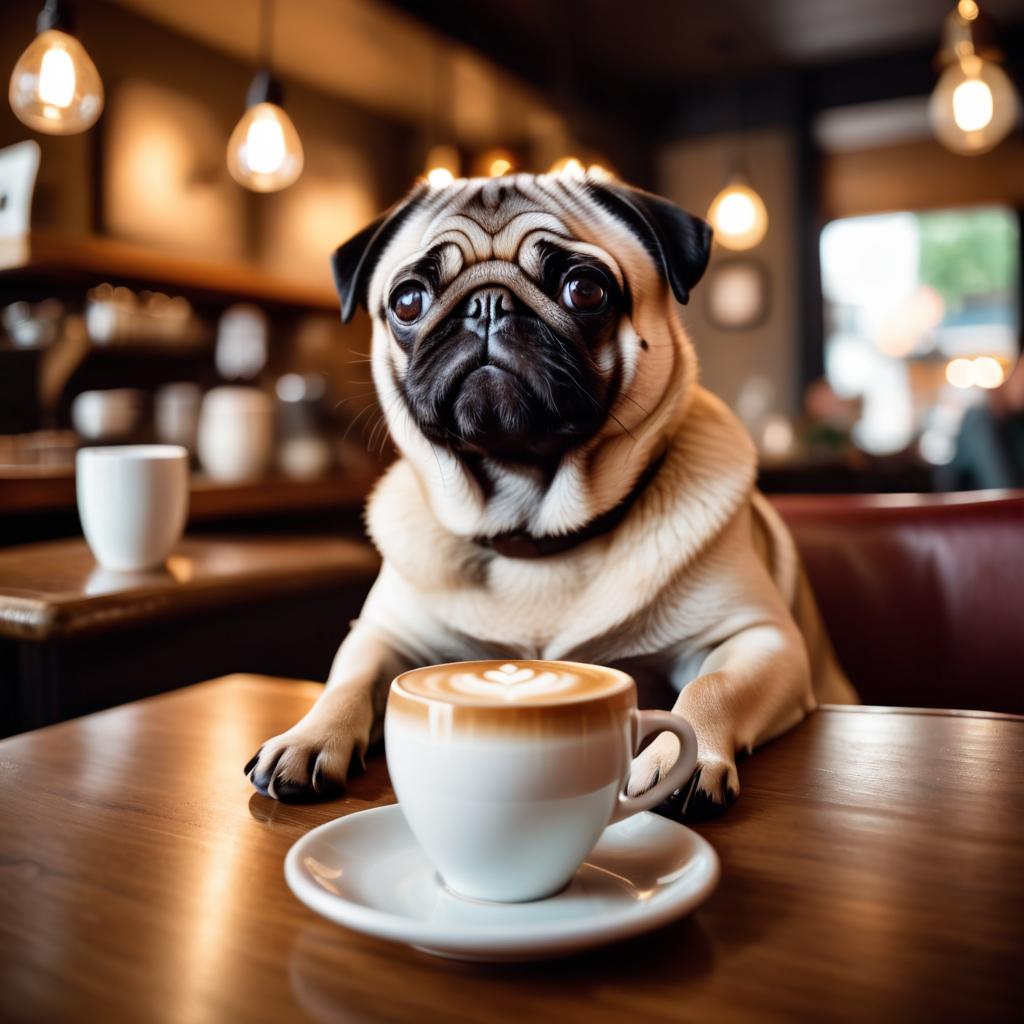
(487, 308)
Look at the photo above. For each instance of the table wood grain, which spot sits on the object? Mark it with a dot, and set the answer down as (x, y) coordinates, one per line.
(872, 870)
(55, 589)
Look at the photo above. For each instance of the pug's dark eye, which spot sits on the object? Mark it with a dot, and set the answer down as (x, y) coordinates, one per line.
(583, 294)
(409, 303)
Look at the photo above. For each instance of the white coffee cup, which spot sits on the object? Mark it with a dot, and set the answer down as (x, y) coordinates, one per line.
(508, 772)
(133, 502)
(236, 433)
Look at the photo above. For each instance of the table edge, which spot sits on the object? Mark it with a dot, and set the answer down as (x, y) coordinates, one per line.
(882, 709)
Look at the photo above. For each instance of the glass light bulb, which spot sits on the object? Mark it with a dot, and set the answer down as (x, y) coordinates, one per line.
(264, 151)
(974, 106)
(739, 216)
(55, 87)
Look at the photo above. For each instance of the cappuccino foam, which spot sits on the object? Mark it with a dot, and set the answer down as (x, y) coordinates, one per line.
(513, 683)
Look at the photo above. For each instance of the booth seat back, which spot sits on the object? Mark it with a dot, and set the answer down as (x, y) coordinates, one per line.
(923, 595)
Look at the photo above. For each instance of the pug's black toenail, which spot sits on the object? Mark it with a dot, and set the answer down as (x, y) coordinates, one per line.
(261, 780)
(703, 807)
(674, 806)
(251, 763)
(304, 792)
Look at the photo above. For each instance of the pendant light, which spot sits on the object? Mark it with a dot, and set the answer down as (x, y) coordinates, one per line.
(738, 214)
(55, 87)
(264, 151)
(974, 105)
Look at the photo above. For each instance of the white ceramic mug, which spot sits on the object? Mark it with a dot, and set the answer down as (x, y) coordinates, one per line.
(236, 433)
(508, 772)
(133, 502)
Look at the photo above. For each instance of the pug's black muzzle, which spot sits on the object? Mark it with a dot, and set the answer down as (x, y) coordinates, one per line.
(494, 379)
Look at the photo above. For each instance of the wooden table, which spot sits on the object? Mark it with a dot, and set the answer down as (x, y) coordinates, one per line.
(873, 870)
(75, 637)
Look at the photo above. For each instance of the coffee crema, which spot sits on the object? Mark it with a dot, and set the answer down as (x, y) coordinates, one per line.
(513, 683)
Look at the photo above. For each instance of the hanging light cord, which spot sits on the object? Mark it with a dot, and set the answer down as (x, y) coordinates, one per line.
(266, 31)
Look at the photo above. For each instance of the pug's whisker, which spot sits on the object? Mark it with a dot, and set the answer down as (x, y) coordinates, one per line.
(351, 398)
(355, 419)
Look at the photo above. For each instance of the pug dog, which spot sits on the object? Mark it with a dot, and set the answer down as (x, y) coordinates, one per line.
(566, 489)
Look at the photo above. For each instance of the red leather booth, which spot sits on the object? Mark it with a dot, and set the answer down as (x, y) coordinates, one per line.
(923, 595)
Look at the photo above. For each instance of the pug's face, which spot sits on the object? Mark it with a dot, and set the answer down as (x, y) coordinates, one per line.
(504, 309)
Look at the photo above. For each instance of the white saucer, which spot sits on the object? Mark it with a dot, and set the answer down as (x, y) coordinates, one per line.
(365, 871)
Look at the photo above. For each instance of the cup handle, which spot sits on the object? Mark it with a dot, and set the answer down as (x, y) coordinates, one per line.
(654, 722)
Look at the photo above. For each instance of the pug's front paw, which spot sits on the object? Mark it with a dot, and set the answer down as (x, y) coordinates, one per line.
(712, 788)
(312, 760)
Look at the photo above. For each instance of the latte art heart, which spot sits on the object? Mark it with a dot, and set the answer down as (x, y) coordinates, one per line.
(509, 675)
(509, 682)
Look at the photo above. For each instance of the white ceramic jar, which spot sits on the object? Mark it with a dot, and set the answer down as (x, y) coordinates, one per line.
(236, 433)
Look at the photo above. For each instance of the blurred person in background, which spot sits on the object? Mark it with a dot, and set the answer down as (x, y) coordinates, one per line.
(990, 445)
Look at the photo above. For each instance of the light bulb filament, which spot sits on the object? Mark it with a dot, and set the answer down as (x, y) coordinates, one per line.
(972, 105)
(265, 149)
(736, 214)
(57, 78)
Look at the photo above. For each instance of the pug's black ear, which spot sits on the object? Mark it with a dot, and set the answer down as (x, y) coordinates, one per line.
(353, 262)
(679, 243)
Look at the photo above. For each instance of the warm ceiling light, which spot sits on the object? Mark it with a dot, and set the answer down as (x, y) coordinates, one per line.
(55, 87)
(494, 163)
(443, 166)
(960, 373)
(974, 105)
(265, 151)
(567, 165)
(738, 216)
(980, 372)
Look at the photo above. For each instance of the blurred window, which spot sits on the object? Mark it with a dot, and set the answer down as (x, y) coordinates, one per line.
(922, 315)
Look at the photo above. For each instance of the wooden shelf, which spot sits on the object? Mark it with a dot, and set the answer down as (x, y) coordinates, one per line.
(27, 490)
(55, 589)
(97, 259)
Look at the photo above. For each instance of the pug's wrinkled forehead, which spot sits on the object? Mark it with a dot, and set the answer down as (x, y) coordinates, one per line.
(507, 231)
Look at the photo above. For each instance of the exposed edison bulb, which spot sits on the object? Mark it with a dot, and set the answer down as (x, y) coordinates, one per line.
(974, 106)
(265, 152)
(55, 87)
(739, 216)
(442, 166)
